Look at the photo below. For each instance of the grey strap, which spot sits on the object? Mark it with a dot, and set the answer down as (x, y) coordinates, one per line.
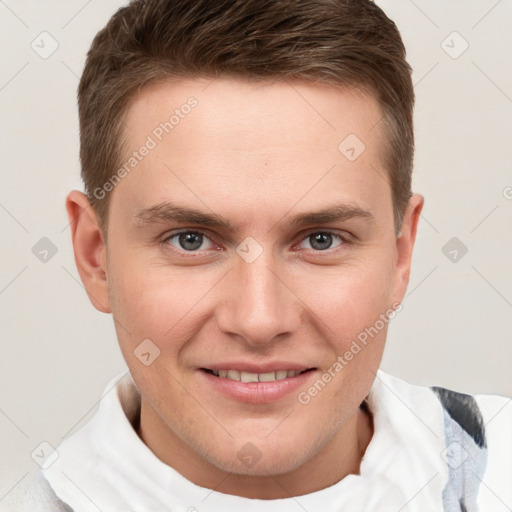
(466, 450)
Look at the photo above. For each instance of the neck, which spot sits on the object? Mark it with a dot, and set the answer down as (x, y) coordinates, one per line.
(340, 457)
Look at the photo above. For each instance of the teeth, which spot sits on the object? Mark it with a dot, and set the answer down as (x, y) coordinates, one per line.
(242, 376)
(248, 377)
(233, 375)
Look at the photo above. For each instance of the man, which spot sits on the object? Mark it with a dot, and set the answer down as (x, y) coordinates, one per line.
(249, 223)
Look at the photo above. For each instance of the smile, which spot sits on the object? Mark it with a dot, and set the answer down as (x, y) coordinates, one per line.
(256, 387)
(243, 376)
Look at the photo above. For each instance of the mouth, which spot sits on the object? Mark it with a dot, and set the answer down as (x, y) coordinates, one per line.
(249, 382)
(244, 376)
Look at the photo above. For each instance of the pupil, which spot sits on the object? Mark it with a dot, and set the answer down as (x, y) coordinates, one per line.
(321, 241)
(191, 241)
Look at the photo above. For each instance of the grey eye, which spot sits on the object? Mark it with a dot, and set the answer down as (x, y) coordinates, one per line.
(321, 240)
(189, 241)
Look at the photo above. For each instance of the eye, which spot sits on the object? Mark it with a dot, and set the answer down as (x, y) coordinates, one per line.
(322, 240)
(189, 241)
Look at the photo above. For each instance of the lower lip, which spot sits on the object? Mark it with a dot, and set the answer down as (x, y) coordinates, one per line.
(256, 392)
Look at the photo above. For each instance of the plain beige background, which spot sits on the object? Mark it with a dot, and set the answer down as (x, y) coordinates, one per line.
(455, 330)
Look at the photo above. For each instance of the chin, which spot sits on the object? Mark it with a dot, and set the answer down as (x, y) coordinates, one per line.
(261, 458)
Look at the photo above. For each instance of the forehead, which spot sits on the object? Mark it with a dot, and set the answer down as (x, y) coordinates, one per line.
(259, 108)
(252, 143)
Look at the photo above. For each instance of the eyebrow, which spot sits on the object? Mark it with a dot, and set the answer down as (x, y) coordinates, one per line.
(171, 212)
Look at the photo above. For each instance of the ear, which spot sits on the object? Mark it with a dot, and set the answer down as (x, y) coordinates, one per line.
(405, 244)
(89, 248)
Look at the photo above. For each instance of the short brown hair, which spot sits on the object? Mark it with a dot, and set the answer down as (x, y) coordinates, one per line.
(340, 42)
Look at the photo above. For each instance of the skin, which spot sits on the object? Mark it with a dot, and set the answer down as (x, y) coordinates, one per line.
(256, 155)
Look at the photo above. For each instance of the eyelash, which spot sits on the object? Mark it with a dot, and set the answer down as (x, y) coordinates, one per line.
(344, 239)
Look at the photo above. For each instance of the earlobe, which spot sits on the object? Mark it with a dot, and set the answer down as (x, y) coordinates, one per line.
(405, 244)
(89, 249)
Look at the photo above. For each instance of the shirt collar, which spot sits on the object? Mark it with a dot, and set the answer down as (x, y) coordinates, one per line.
(106, 466)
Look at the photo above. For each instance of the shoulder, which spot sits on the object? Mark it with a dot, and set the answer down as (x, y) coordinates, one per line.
(497, 416)
(496, 410)
(478, 446)
(496, 413)
(484, 417)
(33, 494)
(465, 410)
(487, 421)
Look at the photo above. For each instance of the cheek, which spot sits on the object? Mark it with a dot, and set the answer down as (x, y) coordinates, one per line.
(351, 308)
(147, 305)
(165, 307)
(151, 301)
(348, 299)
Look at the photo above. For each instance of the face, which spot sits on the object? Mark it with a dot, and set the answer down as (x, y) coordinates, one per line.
(253, 240)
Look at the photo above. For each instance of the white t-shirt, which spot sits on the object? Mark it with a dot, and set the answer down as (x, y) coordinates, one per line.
(419, 459)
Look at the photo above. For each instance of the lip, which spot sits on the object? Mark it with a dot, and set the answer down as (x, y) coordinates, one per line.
(258, 368)
(256, 392)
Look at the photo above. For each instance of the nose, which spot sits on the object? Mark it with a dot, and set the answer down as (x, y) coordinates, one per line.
(258, 303)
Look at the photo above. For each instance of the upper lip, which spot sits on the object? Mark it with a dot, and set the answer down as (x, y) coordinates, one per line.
(272, 366)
